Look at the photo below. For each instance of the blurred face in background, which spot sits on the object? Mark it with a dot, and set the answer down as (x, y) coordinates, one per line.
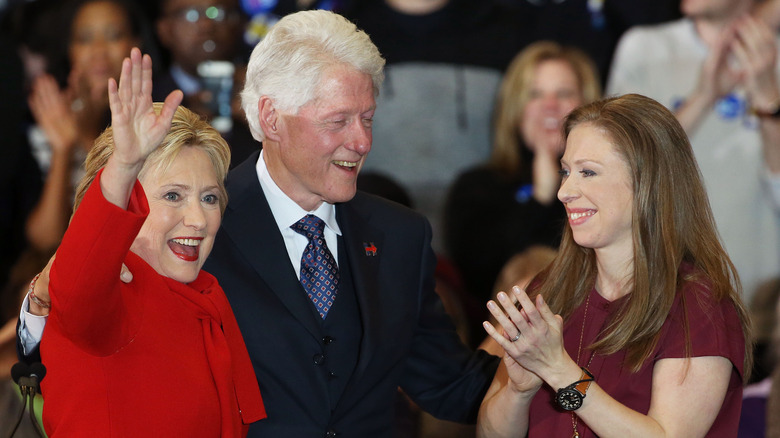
(713, 9)
(555, 91)
(200, 30)
(101, 37)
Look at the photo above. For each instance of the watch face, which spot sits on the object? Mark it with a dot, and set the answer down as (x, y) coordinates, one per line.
(569, 399)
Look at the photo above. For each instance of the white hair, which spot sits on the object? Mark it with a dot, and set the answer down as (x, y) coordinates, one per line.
(288, 63)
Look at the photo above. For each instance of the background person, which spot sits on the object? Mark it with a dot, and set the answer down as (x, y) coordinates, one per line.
(717, 69)
(67, 122)
(644, 306)
(193, 32)
(501, 207)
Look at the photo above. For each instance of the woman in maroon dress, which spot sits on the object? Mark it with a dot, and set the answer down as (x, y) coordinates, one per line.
(637, 327)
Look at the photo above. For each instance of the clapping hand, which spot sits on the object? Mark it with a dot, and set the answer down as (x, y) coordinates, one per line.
(520, 377)
(718, 75)
(51, 109)
(745, 54)
(755, 49)
(533, 337)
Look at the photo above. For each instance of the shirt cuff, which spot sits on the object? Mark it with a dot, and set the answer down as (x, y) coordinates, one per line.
(30, 327)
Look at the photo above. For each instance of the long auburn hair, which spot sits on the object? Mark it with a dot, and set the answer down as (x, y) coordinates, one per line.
(672, 223)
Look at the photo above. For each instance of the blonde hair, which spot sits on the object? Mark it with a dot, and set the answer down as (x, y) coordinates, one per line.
(672, 223)
(187, 130)
(515, 92)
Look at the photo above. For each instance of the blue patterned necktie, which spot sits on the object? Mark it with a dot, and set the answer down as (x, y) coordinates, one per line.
(319, 271)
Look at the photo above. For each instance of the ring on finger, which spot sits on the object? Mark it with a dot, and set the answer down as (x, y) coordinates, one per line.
(517, 336)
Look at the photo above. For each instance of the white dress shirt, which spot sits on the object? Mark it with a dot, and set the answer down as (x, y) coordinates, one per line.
(286, 212)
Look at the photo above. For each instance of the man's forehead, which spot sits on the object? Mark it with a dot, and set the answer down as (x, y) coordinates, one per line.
(339, 104)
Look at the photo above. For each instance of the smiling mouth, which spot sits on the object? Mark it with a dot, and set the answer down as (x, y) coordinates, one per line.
(579, 215)
(187, 249)
(349, 165)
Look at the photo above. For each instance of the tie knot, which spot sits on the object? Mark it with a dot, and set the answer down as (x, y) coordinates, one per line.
(310, 226)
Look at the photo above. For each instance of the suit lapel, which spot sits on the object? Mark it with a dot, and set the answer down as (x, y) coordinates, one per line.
(256, 236)
(358, 233)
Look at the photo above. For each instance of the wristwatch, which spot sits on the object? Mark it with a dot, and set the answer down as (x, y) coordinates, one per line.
(570, 397)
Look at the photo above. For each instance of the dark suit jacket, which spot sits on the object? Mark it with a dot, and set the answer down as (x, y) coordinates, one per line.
(33, 356)
(407, 339)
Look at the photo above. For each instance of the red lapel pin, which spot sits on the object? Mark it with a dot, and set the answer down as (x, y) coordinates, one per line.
(370, 249)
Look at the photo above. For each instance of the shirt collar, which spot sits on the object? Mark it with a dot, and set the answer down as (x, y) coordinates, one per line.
(285, 211)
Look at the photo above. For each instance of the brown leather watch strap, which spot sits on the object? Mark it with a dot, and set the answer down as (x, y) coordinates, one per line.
(584, 382)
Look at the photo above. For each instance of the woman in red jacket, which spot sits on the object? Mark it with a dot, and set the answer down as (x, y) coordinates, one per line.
(162, 355)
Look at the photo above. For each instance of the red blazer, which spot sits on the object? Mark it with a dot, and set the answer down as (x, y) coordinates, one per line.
(151, 358)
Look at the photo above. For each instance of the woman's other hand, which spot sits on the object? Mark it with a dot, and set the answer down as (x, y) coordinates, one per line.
(537, 337)
(522, 380)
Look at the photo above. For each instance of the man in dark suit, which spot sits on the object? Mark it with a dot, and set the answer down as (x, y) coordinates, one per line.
(309, 97)
(331, 367)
